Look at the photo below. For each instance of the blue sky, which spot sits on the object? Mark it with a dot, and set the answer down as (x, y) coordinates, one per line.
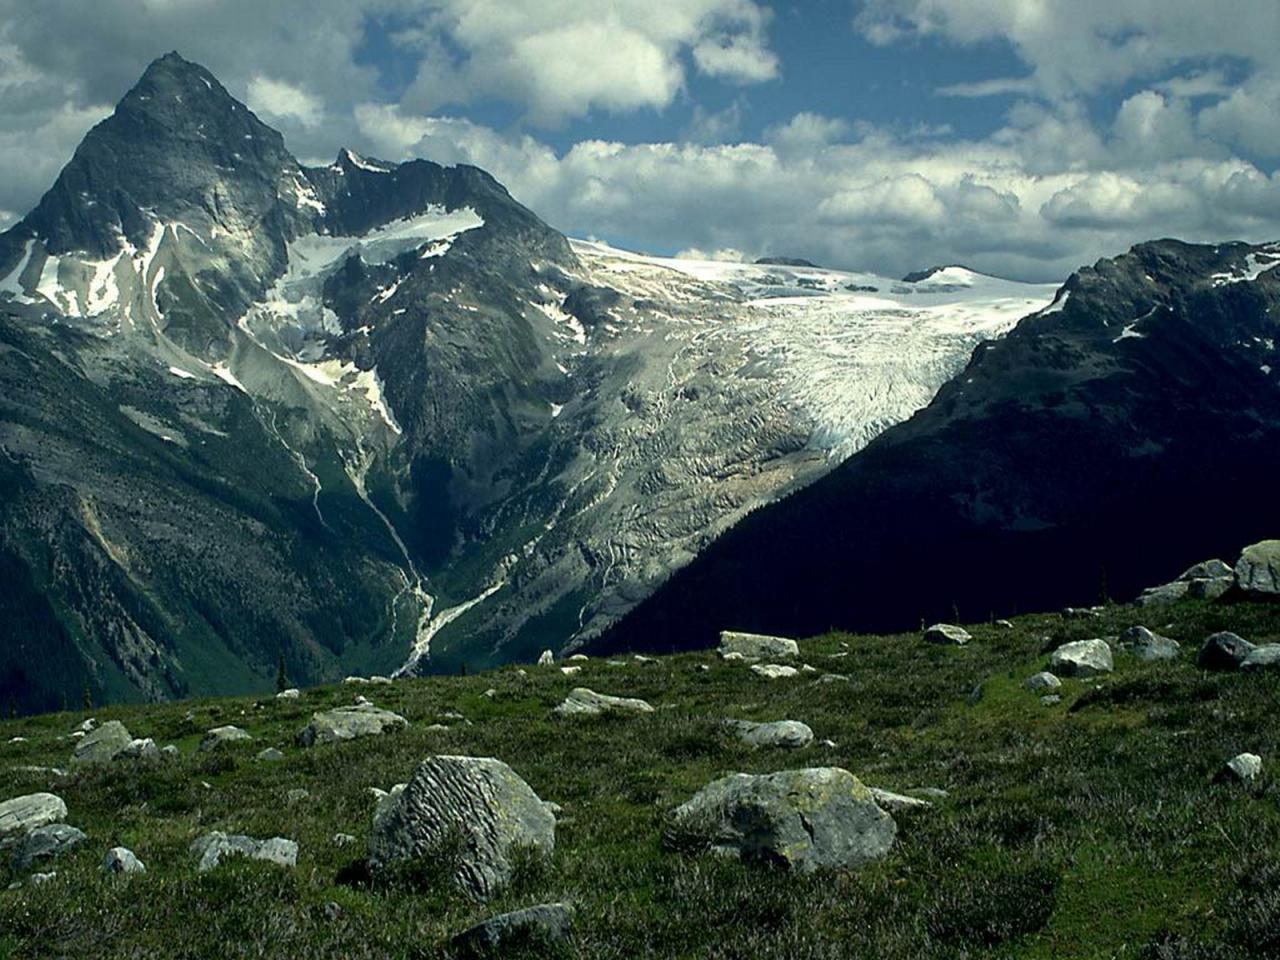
(1022, 137)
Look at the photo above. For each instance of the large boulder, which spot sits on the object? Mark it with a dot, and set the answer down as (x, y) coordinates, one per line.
(1207, 580)
(947, 634)
(811, 819)
(582, 702)
(787, 734)
(757, 646)
(44, 844)
(1258, 570)
(532, 927)
(1264, 657)
(349, 723)
(102, 744)
(1241, 768)
(122, 860)
(21, 815)
(478, 803)
(220, 737)
(1147, 646)
(1223, 651)
(1081, 658)
(212, 848)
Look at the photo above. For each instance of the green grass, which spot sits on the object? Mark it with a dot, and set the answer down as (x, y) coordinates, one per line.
(1091, 828)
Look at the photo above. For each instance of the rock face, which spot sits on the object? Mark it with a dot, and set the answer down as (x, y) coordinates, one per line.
(756, 646)
(1223, 651)
(1082, 658)
(212, 848)
(1258, 570)
(1148, 646)
(349, 723)
(811, 819)
(545, 924)
(947, 634)
(787, 734)
(21, 815)
(45, 843)
(103, 744)
(1042, 681)
(582, 702)
(1265, 657)
(222, 736)
(122, 860)
(774, 671)
(480, 804)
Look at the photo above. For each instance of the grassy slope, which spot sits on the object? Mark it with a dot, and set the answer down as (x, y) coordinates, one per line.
(1086, 829)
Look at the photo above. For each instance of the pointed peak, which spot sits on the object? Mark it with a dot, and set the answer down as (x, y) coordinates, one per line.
(349, 159)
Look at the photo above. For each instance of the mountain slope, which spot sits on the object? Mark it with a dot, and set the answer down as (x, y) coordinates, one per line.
(1105, 444)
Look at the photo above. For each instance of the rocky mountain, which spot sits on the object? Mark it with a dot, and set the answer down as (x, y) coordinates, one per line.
(1108, 442)
(370, 417)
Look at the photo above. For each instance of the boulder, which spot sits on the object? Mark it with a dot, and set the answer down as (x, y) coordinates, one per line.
(1049, 700)
(1207, 570)
(532, 927)
(1209, 589)
(21, 815)
(1162, 595)
(45, 844)
(221, 736)
(1044, 680)
(144, 749)
(102, 744)
(579, 658)
(1264, 657)
(1258, 570)
(570, 671)
(293, 693)
(582, 702)
(897, 802)
(787, 734)
(757, 646)
(546, 658)
(810, 819)
(1207, 580)
(122, 860)
(947, 634)
(479, 804)
(1148, 646)
(212, 848)
(1223, 651)
(1081, 658)
(774, 671)
(349, 723)
(1241, 769)
(270, 755)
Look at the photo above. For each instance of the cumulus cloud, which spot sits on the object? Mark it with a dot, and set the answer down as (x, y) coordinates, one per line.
(276, 100)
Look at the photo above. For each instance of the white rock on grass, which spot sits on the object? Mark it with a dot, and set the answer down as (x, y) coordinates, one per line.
(1044, 680)
(897, 802)
(349, 723)
(102, 744)
(947, 634)
(212, 848)
(1148, 646)
(293, 693)
(121, 860)
(785, 734)
(757, 646)
(1258, 570)
(1082, 658)
(584, 702)
(774, 671)
(1242, 768)
(223, 736)
(23, 814)
(546, 659)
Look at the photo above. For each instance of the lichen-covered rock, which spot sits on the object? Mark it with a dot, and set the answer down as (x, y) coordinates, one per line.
(1258, 570)
(21, 815)
(1081, 658)
(102, 744)
(757, 646)
(811, 819)
(786, 734)
(582, 702)
(532, 927)
(1148, 646)
(212, 848)
(1224, 651)
(947, 634)
(122, 860)
(349, 723)
(475, 808)
(222, 736)
(45, 844)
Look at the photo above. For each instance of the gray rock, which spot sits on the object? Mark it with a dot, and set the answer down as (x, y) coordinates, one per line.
(212, 848)
(356, 681)
(39, 879)
(832, 678)
(582, 702)
(1209, 589)
(349, 723)
(479, 803)
(270, 755)
(774, 671)
(1241, 769)
(1162, 595)
(144, 749)
(546, 658)
(1081, 658)
(812, 819)
(1148, 646)
(947, 634)
(787, 734)
(1004, 624)
(170, 752)
(1258, 570)
(757, 646)
(571, 671)
(1082, 613)
(1207, 570)
(45, 843)
(897, 802)
(102, 744)
(1224, 651)
(929, 793)
(21, 815)
(222, 736)
(293, 693)
(1044, 680)
(1264, 657)
(539, 926)
(121, 860)
(1048, 700)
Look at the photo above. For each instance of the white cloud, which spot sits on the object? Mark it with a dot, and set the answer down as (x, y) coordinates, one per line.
(277, 100)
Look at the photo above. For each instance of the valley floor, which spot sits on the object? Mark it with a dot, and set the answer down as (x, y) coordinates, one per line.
(1087, 828)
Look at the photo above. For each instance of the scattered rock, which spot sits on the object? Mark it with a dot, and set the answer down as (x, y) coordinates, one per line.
(1162, 595)
(39, 879)
(1044, 680)
(616, 663)
(947, 634)
(21, 815)
(828, 744)
(1265, 657)
(491, 693)
(757, 646)
(1258, 570)
(1005, 624)
(570, 671)
(103, 744)
(832, 678)
(1049, 699)
(579, 658)
(1207, 570)
(812, 819)
(546, 659)
(584, 702)
(379, 681)
(897, 802)
(170, 752)
(41, 771)
(786, 734)
(481, 803)
(144, 749)
(122, 860)
(641, 658)
(774, 671)
(1241, 769)
(1224, 651)
(1081, 658)
(211, 848)
(539, 926)
(356, 681)
(348, 723)
(86, 726)
(1081, 613)
(270, 755)
(293, 693)
(221, 736)
(1148, 646)
(1204, 581)
(362, 702)
(45, 843)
